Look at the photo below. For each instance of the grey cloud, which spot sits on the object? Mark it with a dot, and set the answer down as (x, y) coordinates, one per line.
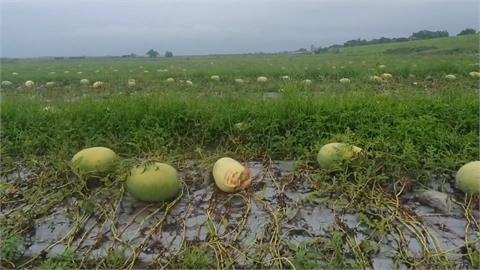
(105, 27)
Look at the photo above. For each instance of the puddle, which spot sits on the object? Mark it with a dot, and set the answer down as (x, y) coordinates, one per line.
(244, 219)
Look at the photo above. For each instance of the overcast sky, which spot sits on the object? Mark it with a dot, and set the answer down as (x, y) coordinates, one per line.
(105, 27)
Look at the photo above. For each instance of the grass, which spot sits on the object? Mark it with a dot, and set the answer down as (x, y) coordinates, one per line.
(424, 133)
(12, 249)
(66, 260)
(414, 127)
(115, 259)
(356, 63)
(193, 258)
(467, 43)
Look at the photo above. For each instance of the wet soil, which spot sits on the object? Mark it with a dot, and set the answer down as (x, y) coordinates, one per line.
(276, 206)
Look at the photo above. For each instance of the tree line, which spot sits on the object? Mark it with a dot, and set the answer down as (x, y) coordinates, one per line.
(153, 53)
(423, 34)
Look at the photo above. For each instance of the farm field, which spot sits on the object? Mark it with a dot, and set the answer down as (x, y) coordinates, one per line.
(395, 205)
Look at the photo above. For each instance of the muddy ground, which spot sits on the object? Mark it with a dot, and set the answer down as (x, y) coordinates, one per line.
(264, 225)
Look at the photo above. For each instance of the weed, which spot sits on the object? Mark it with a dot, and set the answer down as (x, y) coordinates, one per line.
(192, 257)
(66, 260)
(114, 259)
(11, 248)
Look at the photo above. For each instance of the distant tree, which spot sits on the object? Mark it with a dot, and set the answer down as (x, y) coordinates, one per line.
(427, 34)
(168, 54)
(129, 55)
(401, 39)
(335, 46)
(423, 34)
(320, 50)
(467, 31)
(152, 53)
(380, 40)
(355, 42)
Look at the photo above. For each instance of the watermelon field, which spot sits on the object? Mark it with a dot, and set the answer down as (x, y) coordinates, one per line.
(411, 108)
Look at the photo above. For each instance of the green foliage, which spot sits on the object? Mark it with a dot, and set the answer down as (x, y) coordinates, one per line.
(65, 260)
(192, 258)
(11, 248)
(305, 257)
(427, 34)
(115, 259)
(328, 252)
(410, 50)
(469, 42)
(423, 133)
(152, 53)
(467, 31)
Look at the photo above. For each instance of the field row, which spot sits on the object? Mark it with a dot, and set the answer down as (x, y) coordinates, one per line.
(418, 132)
(262, 82)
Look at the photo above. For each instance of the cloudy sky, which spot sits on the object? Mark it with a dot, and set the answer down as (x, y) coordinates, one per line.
(32, 28)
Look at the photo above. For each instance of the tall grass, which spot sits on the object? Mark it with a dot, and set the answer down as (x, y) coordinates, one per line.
(417, 132)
